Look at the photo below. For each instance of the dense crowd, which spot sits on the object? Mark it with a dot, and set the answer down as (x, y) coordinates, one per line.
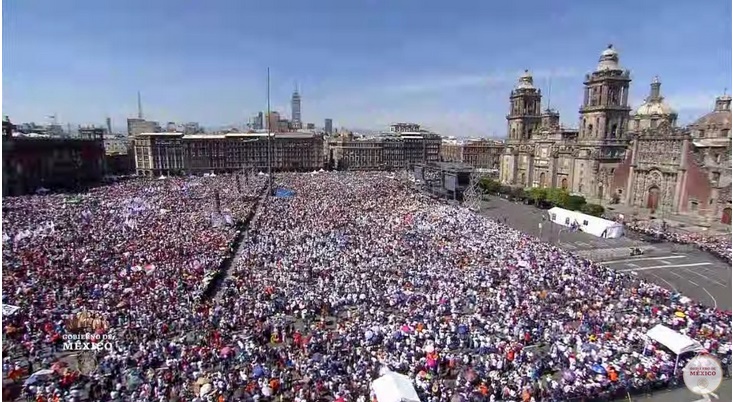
(120, 259)
(719, 245)
(352, 275)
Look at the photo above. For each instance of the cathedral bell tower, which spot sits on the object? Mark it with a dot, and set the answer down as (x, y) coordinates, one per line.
(524, 120)
(605, 111)
(524, 115)
(604, 118)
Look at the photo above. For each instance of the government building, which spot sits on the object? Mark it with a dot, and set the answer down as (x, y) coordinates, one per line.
(638, 159)
(405, 145)
(175, 153)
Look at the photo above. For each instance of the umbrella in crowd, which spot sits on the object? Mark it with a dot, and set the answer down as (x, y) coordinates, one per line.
(352, 276)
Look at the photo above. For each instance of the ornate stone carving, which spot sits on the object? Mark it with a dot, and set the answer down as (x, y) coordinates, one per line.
(655, 178)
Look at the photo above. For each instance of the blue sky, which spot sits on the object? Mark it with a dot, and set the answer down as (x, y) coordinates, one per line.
(448, 65)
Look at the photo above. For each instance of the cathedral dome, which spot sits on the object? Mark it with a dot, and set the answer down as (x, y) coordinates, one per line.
(654, 104)
(719, 117)
(608, 60)
(653, 111)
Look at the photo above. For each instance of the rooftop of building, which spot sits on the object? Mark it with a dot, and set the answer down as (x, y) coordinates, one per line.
(253, 135)
(719, 117)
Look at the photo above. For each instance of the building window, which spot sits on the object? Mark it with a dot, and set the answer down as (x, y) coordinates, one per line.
(567, 221)
(585, 223)
(724, 133)
(553, 217)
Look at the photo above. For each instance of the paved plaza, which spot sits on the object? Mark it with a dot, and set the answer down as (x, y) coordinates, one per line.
(694, 273)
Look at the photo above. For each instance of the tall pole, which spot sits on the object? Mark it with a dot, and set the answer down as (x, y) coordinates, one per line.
(139, 106)
(269, 139)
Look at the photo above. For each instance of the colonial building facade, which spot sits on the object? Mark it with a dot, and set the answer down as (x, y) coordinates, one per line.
(399, 149)
(481, 154)
(540, 152)
(640, 159)
(671, 170)
(174, 153)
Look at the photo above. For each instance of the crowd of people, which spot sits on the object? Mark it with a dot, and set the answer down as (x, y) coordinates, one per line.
(121, 258)
(718, 245)
(349, 275)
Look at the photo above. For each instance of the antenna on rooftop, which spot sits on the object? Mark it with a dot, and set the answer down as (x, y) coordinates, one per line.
(139, 106)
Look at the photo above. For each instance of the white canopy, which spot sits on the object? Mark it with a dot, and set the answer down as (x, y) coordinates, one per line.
(394, 387)
(587, 223)
(673, 340)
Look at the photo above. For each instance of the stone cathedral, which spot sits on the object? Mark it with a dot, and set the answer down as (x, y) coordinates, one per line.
(640, 159)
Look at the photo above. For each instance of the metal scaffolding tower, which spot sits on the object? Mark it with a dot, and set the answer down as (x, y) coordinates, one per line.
(472, 194)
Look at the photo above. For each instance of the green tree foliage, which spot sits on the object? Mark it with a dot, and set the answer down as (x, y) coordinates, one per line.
(537, 195)
(557, 197)
(490, 186)
(592, 209)
(518, 193)
(575, 202)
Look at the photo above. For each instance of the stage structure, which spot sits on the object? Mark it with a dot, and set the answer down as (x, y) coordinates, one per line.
(444, 179)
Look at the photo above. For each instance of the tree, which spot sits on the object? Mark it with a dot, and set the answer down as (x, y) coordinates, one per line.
(537, 195)
(592, 209)
(575, 202)
(518, 193)
(557, 197)
(489, 185)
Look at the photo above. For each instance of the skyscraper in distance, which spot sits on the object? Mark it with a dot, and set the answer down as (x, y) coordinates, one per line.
(295, 106)
(328, 126)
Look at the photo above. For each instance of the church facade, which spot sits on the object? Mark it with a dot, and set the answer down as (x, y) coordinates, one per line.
(671, 170)
(540, 152)
(640, 159)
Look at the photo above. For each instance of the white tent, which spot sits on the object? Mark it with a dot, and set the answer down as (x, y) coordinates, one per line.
(394, 387)
(587, 223)
(674, 341)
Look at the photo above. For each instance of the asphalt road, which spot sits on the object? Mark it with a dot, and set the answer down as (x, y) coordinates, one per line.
(694, 273)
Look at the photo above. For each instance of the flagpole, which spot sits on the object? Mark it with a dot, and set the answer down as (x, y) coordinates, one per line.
(269, 139)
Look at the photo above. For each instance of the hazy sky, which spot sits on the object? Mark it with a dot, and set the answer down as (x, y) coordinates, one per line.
(448, 65)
